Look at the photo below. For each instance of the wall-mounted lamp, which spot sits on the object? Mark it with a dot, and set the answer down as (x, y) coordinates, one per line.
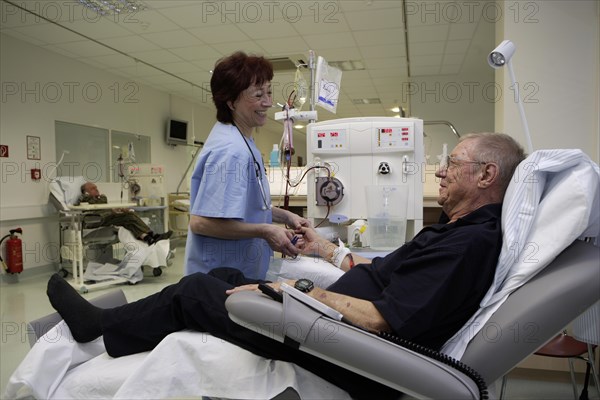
(500, 57)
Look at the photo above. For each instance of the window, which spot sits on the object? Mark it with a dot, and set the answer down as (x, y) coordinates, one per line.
(87, 148)
(94, 152)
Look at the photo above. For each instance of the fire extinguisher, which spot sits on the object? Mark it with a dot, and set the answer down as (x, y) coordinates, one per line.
(14, 253)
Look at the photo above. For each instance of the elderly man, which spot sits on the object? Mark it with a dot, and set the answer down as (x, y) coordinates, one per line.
(120, 216)
(424, 291)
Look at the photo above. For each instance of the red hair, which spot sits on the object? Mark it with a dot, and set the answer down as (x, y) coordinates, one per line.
(234, 74)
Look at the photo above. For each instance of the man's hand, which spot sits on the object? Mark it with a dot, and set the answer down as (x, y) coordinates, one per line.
(243, 288)
(313, 244)
(254, 287)
(359, 312)
(280, 239)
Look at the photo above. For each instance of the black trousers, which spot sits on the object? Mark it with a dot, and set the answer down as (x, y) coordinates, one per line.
(197, 303)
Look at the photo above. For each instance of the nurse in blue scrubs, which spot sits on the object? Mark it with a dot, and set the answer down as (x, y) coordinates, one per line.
(231, 216)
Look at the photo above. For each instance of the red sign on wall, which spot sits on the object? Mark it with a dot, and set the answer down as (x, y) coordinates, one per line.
(3, 150)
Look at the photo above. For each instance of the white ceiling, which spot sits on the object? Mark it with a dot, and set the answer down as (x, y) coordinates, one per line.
(176, 43)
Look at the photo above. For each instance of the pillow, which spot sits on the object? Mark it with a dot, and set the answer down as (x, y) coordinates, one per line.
(67, 189)
(551, 201)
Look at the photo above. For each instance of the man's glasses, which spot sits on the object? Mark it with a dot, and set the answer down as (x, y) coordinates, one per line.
(451, 161)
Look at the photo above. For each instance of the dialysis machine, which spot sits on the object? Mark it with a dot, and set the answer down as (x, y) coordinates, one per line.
(354, 156)
(147, 189)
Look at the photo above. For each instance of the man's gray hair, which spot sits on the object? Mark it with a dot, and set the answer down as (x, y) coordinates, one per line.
(498, 148)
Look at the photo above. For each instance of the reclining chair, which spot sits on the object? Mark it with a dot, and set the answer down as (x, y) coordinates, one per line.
(83, 239)
(80, 230)
(552, 201)
(553, 298)
(532, 299)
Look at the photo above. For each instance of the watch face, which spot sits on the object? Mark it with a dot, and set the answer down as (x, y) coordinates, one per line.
(304, 285)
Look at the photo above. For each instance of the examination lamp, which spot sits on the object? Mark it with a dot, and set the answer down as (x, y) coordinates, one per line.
(501, 54)
(500, 57)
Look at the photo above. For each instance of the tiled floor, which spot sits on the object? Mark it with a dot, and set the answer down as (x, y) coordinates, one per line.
(26, 300)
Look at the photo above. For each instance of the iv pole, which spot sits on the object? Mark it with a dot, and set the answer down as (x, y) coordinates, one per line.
(188, 167)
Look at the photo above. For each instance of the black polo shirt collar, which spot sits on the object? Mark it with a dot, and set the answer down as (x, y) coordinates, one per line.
(479, 216)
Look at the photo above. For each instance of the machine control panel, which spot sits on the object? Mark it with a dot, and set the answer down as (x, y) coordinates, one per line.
(396, 137)
(145, 170)
(331, 139)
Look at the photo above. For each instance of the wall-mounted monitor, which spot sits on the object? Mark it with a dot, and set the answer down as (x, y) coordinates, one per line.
(177, 132)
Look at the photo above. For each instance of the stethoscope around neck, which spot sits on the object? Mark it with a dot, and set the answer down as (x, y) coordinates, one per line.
(257, 169)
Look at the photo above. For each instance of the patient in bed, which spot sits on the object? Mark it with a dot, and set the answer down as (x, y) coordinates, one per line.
(120, 216)
(424, 291)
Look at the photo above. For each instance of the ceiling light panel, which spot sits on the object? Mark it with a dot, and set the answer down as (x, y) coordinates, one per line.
(348, 65)
(370, 100)
(112, 7)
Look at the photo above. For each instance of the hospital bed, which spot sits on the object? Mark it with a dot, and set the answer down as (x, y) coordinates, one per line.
(106, 255)
(534, 296)
(179, 213)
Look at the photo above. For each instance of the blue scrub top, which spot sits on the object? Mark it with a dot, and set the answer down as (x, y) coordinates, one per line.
(224, 185)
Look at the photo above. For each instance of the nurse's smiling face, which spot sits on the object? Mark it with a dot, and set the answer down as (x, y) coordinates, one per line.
(250, 108)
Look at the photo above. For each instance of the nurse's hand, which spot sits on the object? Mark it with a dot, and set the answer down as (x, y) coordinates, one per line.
(290, 219)
(296, 222)
(280, 239)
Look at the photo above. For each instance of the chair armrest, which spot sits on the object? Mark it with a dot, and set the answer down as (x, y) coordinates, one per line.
(88, 219)
(401, 368)
(91, 220)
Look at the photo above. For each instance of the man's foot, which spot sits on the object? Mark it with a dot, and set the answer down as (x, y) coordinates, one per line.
(162, 236)
(149, 239)
(83, 318)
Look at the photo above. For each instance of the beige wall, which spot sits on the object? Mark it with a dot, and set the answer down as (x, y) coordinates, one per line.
(557, 67)
(39, 87)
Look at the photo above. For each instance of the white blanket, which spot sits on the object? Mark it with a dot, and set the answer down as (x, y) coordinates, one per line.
(184, 365)
(137, 253)
(552, 200)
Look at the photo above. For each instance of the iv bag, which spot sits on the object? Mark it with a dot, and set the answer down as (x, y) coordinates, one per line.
(301, 88)
(327, 85)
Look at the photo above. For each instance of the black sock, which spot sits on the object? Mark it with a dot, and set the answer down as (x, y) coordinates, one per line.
(149, 239)
(162, 236)
(83, 318)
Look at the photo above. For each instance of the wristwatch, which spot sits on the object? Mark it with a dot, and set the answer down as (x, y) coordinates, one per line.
(304, 285)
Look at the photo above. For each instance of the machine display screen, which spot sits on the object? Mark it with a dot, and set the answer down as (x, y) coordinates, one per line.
(332, 139)
(399, 136)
